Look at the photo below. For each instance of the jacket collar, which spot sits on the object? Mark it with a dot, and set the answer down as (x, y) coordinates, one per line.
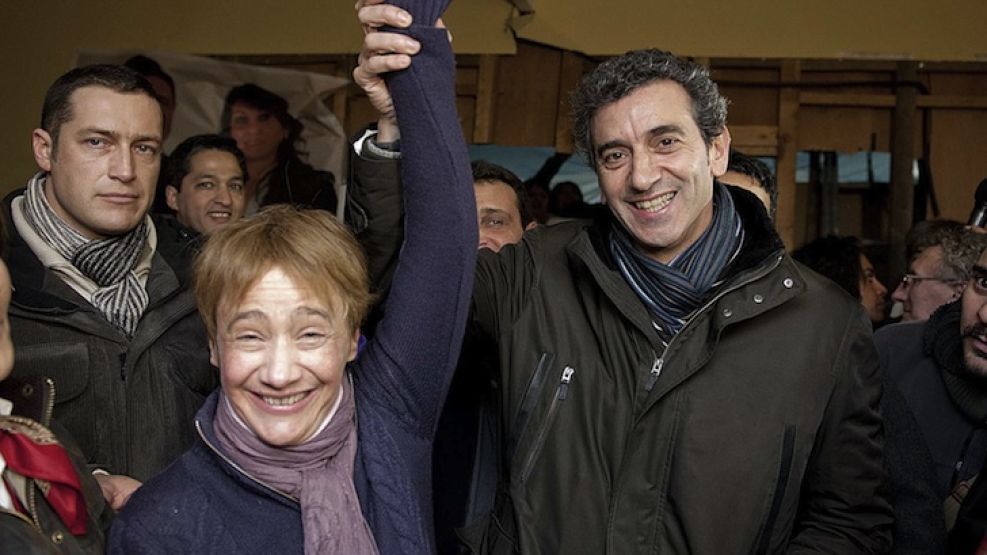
(38, 288)
(760, 243)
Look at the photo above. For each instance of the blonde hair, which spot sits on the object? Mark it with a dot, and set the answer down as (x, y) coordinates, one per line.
(311, 247)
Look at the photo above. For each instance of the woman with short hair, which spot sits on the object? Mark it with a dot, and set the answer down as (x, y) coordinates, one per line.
(312, 444)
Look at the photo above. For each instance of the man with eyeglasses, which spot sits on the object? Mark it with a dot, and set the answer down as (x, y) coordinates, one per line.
(940, 254)
(938, 367)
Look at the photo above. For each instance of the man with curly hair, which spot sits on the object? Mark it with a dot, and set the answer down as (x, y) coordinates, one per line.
(658, 387)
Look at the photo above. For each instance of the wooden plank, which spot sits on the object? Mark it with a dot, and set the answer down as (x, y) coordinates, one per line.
(484, 115)
(526, 98)
(854, 100)
(573, 66)
(788, 108)
(946, 102)
(747, 137)
(902, 159)
(953, 102)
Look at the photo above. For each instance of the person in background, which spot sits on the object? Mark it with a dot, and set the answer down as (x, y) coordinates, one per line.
(501, 207)
(164, 89)
(940, 254)
(537, 193)
(939, 367)
(205, 176)
(269, 135)
(206, 179)
(747, 172)
(565, 202)
(841, 260)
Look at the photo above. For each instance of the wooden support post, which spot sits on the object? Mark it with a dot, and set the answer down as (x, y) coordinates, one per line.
(788, 107)
(571, 71)
(902, 160)
(484, 112)
(829, 192)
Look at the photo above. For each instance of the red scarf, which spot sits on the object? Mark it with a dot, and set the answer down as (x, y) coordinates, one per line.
(32, 451)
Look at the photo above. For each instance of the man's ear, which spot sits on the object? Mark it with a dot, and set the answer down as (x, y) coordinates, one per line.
(719, 153)
(171, 197)
(43, 148)
(531, 225)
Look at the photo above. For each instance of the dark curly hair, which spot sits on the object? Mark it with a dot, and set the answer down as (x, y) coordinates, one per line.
(758, 171)
(618, 77)
(835, 257)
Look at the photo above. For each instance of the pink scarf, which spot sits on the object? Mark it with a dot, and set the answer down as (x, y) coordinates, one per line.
(318, 473)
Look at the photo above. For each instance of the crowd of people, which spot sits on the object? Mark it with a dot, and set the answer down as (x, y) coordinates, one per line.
(208, 361)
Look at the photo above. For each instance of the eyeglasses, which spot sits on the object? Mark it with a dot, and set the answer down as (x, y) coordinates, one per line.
(910, 279)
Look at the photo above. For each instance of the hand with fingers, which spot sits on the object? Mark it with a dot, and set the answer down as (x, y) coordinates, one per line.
(381, 53)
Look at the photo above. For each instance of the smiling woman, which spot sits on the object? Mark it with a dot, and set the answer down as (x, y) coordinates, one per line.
(310, 446)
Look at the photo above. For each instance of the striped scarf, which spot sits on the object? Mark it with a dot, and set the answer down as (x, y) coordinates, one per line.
(109, 263)
(672, 292)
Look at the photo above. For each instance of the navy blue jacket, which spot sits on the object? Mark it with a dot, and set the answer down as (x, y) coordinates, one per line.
(203, 504)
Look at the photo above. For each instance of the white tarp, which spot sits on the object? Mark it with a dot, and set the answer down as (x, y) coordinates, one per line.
(201, 85)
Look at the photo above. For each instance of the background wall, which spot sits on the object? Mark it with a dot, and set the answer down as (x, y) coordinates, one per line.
(842, 76)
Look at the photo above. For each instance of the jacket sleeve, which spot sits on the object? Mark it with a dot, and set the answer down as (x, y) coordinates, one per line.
(845, 507)
(408, 364)
(375, 214)
(130, 538)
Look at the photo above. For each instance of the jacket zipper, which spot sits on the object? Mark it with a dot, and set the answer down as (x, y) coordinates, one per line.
(50, 406)
(32, 504)
(660, 360)
(659, 363)
(561, 393)
(528, 402)
(205, 440)
(655, 372)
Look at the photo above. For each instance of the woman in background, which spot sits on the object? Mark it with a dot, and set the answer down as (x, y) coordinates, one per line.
(267, 134)
(841, 260)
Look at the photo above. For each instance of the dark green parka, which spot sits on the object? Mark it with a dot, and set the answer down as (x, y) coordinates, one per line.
(755, 430)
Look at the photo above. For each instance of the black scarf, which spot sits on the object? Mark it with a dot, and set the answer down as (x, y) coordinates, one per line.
(943, 341)
(672, 292)
(109, 263)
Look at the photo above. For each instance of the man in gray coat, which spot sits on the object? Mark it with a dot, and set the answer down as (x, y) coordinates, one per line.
(96, 308)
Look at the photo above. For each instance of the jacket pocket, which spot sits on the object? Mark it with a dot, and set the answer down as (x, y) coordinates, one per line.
(68, 366)
(781, 484)
(536, 433)
(528, 401)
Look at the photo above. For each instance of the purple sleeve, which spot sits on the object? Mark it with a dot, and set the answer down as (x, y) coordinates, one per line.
(407, 366)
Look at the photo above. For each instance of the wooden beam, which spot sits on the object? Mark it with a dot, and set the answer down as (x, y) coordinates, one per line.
(747, 138)
(953, 102)
(857, 100)
(573, 67)
(902, 159)
(853, 100)
(788, 108)
(484, 111)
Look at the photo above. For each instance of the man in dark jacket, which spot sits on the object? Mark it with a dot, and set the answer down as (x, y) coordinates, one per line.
(96, 308)
(940, 368)
(659, 389)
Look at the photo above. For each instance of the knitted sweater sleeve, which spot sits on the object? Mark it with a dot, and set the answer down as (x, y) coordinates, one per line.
(407, 366)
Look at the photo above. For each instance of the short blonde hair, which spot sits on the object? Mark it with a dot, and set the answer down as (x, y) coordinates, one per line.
(310, 246)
